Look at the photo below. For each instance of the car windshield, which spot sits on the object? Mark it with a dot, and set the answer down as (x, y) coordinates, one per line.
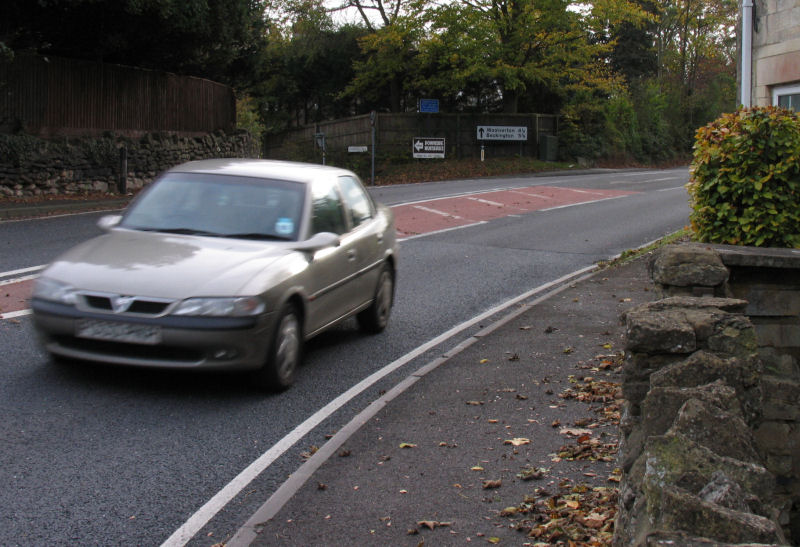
(219, 205)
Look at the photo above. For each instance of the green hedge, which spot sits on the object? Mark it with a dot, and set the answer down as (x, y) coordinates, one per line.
(745, 182)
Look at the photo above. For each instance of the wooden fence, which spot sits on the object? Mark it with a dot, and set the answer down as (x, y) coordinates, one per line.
(394, 134)
(47, 96)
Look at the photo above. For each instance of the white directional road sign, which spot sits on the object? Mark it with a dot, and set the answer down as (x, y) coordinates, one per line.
(502, 133)
(428, 147)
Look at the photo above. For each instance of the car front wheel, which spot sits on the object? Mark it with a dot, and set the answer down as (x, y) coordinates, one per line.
(375, 318)
(285, 351)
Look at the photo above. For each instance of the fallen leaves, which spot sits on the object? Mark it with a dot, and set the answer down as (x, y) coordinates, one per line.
(578, 515)
(491, 484)
(517, 441)
(588, 449)
(532, 473)
(433, 524)
(407, 445)
(575, 432)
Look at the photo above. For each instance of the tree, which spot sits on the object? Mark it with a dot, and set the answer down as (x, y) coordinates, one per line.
(216, 39)
(628, 28)
(387, 67)
(308, 62)
(695, 43)
(394, 28)
(377, 14)
(517, 52)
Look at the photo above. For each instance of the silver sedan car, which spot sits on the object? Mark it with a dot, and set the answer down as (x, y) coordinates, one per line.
(223, 264)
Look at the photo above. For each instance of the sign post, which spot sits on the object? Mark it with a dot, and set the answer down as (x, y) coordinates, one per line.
(372, 128)
(428, 147)
(320, 138)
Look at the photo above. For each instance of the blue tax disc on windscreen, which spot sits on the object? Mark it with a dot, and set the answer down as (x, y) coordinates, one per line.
(284, 226)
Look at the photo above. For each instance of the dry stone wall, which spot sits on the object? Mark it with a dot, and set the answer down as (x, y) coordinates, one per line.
(32, 167)
(712, 419)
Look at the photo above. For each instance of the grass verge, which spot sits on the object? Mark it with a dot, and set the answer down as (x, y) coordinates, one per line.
(684, 234)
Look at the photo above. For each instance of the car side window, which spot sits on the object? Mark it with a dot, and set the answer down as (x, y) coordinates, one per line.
(327, 213)
(356, 199)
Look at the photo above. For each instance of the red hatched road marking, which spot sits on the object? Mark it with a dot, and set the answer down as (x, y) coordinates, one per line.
(441, 214)
(14, 296)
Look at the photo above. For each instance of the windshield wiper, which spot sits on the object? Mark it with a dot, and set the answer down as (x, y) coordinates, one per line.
(183, 231)
(194, 232)
(257, 236)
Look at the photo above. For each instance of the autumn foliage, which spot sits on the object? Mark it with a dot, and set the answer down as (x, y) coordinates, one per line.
(745, 183)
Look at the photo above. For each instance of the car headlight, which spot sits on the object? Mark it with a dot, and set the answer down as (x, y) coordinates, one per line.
(221, 307)
(55, 291)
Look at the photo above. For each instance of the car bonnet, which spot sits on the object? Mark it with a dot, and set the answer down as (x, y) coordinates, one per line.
(170, 266)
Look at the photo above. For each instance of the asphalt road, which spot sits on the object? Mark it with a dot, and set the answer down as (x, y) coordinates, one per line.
(108, 456)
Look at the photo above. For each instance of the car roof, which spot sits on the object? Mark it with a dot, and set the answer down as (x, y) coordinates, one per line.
(271, 169)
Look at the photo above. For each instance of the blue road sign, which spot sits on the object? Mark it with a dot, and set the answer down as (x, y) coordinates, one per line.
(430, 106)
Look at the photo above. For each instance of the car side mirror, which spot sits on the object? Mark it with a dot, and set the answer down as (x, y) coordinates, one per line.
(109, 221)
(318, 242)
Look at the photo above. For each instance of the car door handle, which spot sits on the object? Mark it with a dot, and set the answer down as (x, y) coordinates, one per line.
(351, 255)
(380, 239)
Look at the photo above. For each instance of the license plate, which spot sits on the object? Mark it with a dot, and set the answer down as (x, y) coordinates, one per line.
(118, 332)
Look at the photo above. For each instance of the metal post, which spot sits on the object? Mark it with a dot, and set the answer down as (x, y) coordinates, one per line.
(747, 52)
(122, 181)
(319, 138)
(372, 123)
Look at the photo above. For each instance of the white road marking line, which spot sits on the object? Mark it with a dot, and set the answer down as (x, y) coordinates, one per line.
(415, 236)
(28, 219)
(18, 279)
(531, 194)
(648, 181)
(23, 271)
(487, 202)
(639, 173)
(673, 188)
(13, 314)
(585, 191)
(248, 532)
(436, 212)
(580, 203)
(203, 515)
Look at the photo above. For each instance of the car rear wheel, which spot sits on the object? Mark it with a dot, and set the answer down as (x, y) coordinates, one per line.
(375, 318)
(285, 351)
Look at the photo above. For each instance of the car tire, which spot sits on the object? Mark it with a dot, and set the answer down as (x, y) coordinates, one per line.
(285, 351)
(375, 318)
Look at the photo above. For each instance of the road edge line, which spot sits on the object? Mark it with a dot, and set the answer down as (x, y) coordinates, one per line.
(250, 529)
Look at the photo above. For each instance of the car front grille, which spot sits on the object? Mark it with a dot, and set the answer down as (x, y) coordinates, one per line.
(127, 305)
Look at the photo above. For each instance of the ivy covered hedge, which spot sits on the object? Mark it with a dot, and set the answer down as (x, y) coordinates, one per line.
(745, 182)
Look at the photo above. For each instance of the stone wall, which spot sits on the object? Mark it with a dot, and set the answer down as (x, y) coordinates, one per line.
(712, 420)
(34, 167)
